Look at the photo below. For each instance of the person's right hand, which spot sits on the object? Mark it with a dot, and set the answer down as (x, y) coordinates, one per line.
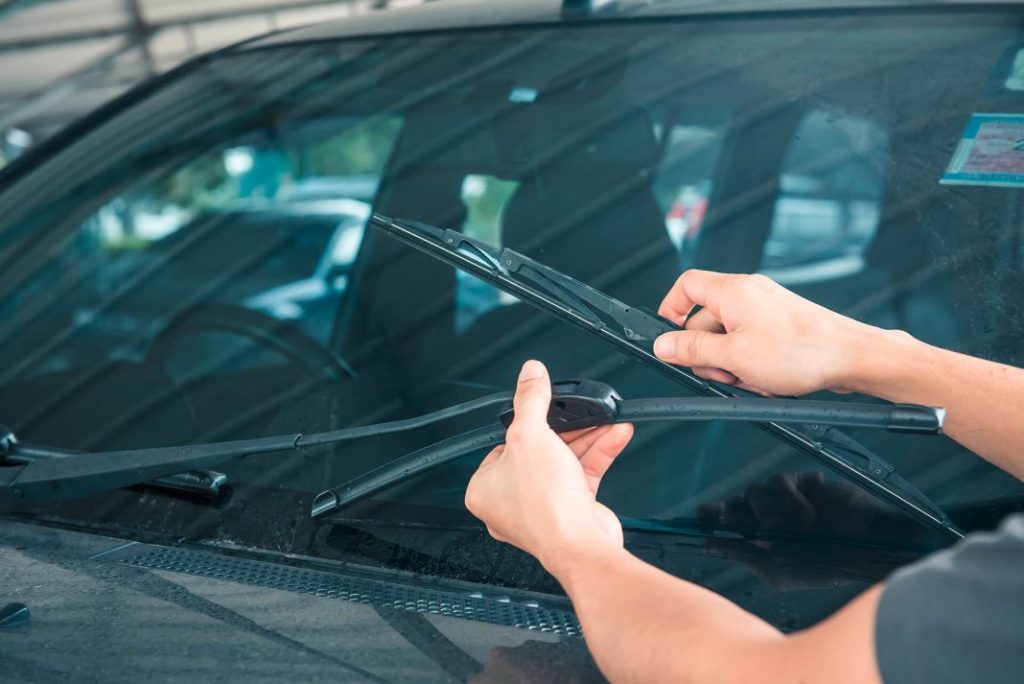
(755, 334)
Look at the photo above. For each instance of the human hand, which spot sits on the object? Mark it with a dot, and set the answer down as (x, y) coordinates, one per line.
(755, 334)
(799, 503)
(538, 491)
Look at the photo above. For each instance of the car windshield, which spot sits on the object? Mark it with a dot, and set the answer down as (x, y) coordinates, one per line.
(194, 265)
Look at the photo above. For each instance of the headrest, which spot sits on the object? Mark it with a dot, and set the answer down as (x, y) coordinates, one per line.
(552, 140)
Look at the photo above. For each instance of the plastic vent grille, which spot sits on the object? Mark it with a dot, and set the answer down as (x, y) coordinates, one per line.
(495, 609)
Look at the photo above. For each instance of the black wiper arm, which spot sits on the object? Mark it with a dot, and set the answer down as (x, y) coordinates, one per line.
(634, 330)
(39, 474)
(592, 403)
(577, 404)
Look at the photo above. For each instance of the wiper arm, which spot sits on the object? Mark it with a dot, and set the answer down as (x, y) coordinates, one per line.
(576, 404)
(201, 484)
(634, 329)
(40, 474)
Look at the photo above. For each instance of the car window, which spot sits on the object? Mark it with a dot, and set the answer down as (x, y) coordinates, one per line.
(830, 199)
(272, 226)
(485, 198)
(619, 154)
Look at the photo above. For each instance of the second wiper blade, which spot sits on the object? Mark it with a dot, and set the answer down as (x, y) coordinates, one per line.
(535, 282)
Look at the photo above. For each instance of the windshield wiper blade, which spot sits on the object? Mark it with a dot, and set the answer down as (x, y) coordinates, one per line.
(589, 403)
(576, 404)
(540, 285)
(634, 329)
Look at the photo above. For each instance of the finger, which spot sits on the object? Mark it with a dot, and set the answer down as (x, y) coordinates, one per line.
(600, 456)
(762, 503)
(810, 480)
(793, 505)
(691, 288)
(695, 348)
(717, 375)
(533, 398)
(755, 390)
(706, 321)
(711, 512)
(573, 435)
(580, 445)
(738, 514)
(812, 486)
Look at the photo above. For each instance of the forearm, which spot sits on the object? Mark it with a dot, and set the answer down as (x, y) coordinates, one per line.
(643, 625)
(984, 400)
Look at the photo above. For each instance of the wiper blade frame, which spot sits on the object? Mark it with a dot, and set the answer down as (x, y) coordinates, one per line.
(821, 416)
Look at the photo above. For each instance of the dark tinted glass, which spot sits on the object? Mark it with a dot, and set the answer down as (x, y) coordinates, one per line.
(809, 148)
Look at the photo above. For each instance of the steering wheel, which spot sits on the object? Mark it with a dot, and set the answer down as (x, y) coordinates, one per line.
(279, 336)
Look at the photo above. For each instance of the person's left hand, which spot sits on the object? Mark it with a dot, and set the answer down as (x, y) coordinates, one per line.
(539, 492)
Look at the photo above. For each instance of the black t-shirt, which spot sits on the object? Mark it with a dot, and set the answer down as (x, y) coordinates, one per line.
(958, 615)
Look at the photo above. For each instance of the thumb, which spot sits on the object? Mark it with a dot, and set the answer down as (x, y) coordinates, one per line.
(533, 396)
(694, 348)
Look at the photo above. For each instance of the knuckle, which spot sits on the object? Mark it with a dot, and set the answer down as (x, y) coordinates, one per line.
(693, 346)
(750, 281)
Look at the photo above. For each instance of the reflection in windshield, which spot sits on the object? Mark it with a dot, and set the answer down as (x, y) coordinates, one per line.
(616, 153)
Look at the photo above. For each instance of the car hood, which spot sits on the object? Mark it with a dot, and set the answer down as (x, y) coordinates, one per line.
(106, 610)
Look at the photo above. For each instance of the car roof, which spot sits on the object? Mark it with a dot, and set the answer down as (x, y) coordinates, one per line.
(469, 14)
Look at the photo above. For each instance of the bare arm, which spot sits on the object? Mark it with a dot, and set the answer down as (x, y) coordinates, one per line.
(755, 333)
(984, 400)
(641, 624)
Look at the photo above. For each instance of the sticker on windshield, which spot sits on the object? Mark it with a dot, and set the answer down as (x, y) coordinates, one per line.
(990, 153)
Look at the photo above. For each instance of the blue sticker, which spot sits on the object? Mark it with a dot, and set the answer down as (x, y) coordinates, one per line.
(990, 153)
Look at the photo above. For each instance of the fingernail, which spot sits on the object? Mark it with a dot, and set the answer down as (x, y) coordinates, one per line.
(665, 347)
(531, 369)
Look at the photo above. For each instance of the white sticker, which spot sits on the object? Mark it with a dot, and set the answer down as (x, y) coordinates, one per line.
(991, 152)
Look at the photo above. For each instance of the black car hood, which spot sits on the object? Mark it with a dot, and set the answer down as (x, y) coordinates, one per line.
(104, 610)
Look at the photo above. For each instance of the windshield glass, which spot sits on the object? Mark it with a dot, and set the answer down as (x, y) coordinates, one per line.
(196, 266)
